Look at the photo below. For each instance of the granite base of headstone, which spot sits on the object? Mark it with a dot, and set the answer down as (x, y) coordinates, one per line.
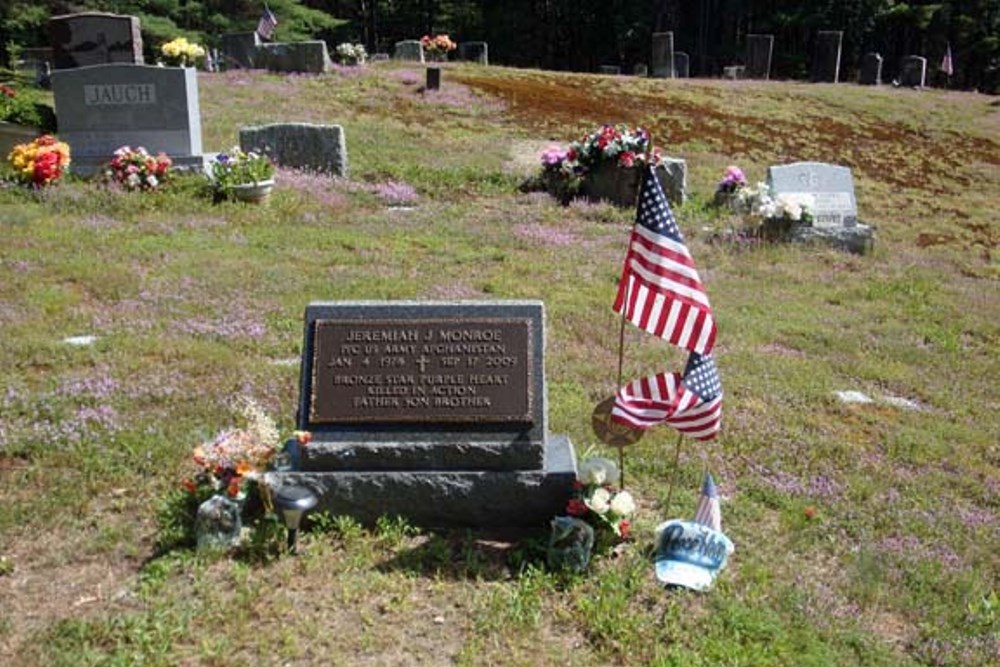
(101, 108)
(913, 72)
(309, 57)
(431, 411)
(663, 55)
(834, 215)
(682, 65)
(409, 49)
(305, 146)
(620, 185)
(870, 70)
(239, 50)
(476, 52)
(759, 51)
(94, 38)
(825, 67)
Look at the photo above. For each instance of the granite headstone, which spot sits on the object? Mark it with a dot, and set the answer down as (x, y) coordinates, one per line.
(409, 49)
(433, 411)
(913, 72)
(477, 52)
(640, 70)
(307, 146)
(101, 108)
(759, 51)
(826, 56)
(870, 70)
(663, 55)
(682, 65)
(239, 50)
(309, 57)
(94, 38)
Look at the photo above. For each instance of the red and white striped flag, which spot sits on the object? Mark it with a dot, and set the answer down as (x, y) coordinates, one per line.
(691, 403)
(268, 22)
(660, 291)
(947, 66)
(709, 513)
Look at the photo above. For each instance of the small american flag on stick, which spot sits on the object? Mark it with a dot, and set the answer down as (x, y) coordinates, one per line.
(691, 403)
(709, 513)
(267, 23)
(660, 291)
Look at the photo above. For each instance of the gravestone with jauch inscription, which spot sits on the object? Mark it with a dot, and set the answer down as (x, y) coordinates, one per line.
(826, 56)
(409, 49)
(759, 50)
(663, 55)
(682, 65)
(913, 72)
(434, 411)
(320, 148)
(104, 107)
(239, 50)
(870, 70)
(94, 38)
(835, 210)
(476, 52)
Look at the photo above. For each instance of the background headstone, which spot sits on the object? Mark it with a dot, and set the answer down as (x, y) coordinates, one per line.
(433, 411)
(104, 107)
(619, 186)
(321, 148)
(870, 70)
(913, 72)
(733, 72)
(826, 56)
(94, 38)
(835, 214)
(239, 49)
(309, 57)
(663, 55)
(759, 50)
(682, 65)
(409, 49)
(613, 70)
(641, 70)
(477, 52)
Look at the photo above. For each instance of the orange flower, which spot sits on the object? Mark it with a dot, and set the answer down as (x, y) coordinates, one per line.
(242, 468)
(234, 486)
(304, 437)
(189, 486)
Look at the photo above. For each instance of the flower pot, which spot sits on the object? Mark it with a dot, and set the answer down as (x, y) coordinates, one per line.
(254, 193)
(12, 134)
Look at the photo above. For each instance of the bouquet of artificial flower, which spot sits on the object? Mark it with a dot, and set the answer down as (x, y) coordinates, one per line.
(437, 44)
(597, 499)
(40, 162)
(136, 169)
(351, 54)
(181, 53)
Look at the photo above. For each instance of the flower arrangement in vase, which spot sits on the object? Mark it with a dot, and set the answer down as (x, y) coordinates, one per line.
(245, 175)
(437, 47)
(41, 162)
(179, 52)
(350, 54)
(136, 169)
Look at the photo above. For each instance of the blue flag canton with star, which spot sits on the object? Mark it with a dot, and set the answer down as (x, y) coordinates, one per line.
(654, 210)
(702, 377)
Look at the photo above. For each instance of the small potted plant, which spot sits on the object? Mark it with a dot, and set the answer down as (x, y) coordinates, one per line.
(242, 175)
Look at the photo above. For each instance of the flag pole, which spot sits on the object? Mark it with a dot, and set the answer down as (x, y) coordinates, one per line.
(673, 475)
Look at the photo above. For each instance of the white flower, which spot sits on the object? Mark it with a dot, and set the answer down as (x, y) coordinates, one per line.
(623, 504)
(598, 471)
(599, 501)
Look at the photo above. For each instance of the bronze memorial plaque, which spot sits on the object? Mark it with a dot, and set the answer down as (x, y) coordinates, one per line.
(422, 370)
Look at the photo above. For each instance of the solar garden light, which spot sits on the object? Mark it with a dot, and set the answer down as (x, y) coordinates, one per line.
(294, 501)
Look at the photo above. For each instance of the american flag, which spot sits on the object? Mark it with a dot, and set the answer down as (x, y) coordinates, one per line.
(691, 403)
(268, 22)
(947, 66)
(660, 291)
(709, 513)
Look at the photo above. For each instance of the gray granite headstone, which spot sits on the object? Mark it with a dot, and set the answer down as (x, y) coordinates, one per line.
(477, 52)
(759, 50)
(733, 72)
(104, 107)
(94, 38)
(913, 72)
(826, 56)
(321, 148)
(663, 55)
(434, 411)
(239, 50)
(682, 65)
(870, 70)
(619, 186)
(613, 70)
(309, 57)
(835, 212)
(640, 70)
(409, 49)
(36, 65)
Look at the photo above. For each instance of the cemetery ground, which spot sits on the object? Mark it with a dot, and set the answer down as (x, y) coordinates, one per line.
(866, 534)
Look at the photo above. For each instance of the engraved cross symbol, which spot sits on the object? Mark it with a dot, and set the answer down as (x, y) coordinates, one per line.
(422, 362)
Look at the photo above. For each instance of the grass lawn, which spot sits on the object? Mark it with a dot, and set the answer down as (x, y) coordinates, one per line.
(194, 303)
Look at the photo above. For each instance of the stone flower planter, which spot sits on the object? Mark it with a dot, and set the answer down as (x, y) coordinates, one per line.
(254, 193)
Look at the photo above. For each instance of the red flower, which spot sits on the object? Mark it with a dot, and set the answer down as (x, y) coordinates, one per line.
(571, 154)
(626, 159)
(577, 485)
(189, 486)
(234, 486)
(7, 90)
(623, 528)
(576, 507)
(47, 167)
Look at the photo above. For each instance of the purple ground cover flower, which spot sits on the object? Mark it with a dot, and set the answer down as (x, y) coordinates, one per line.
(396, 193)
(545, 235)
